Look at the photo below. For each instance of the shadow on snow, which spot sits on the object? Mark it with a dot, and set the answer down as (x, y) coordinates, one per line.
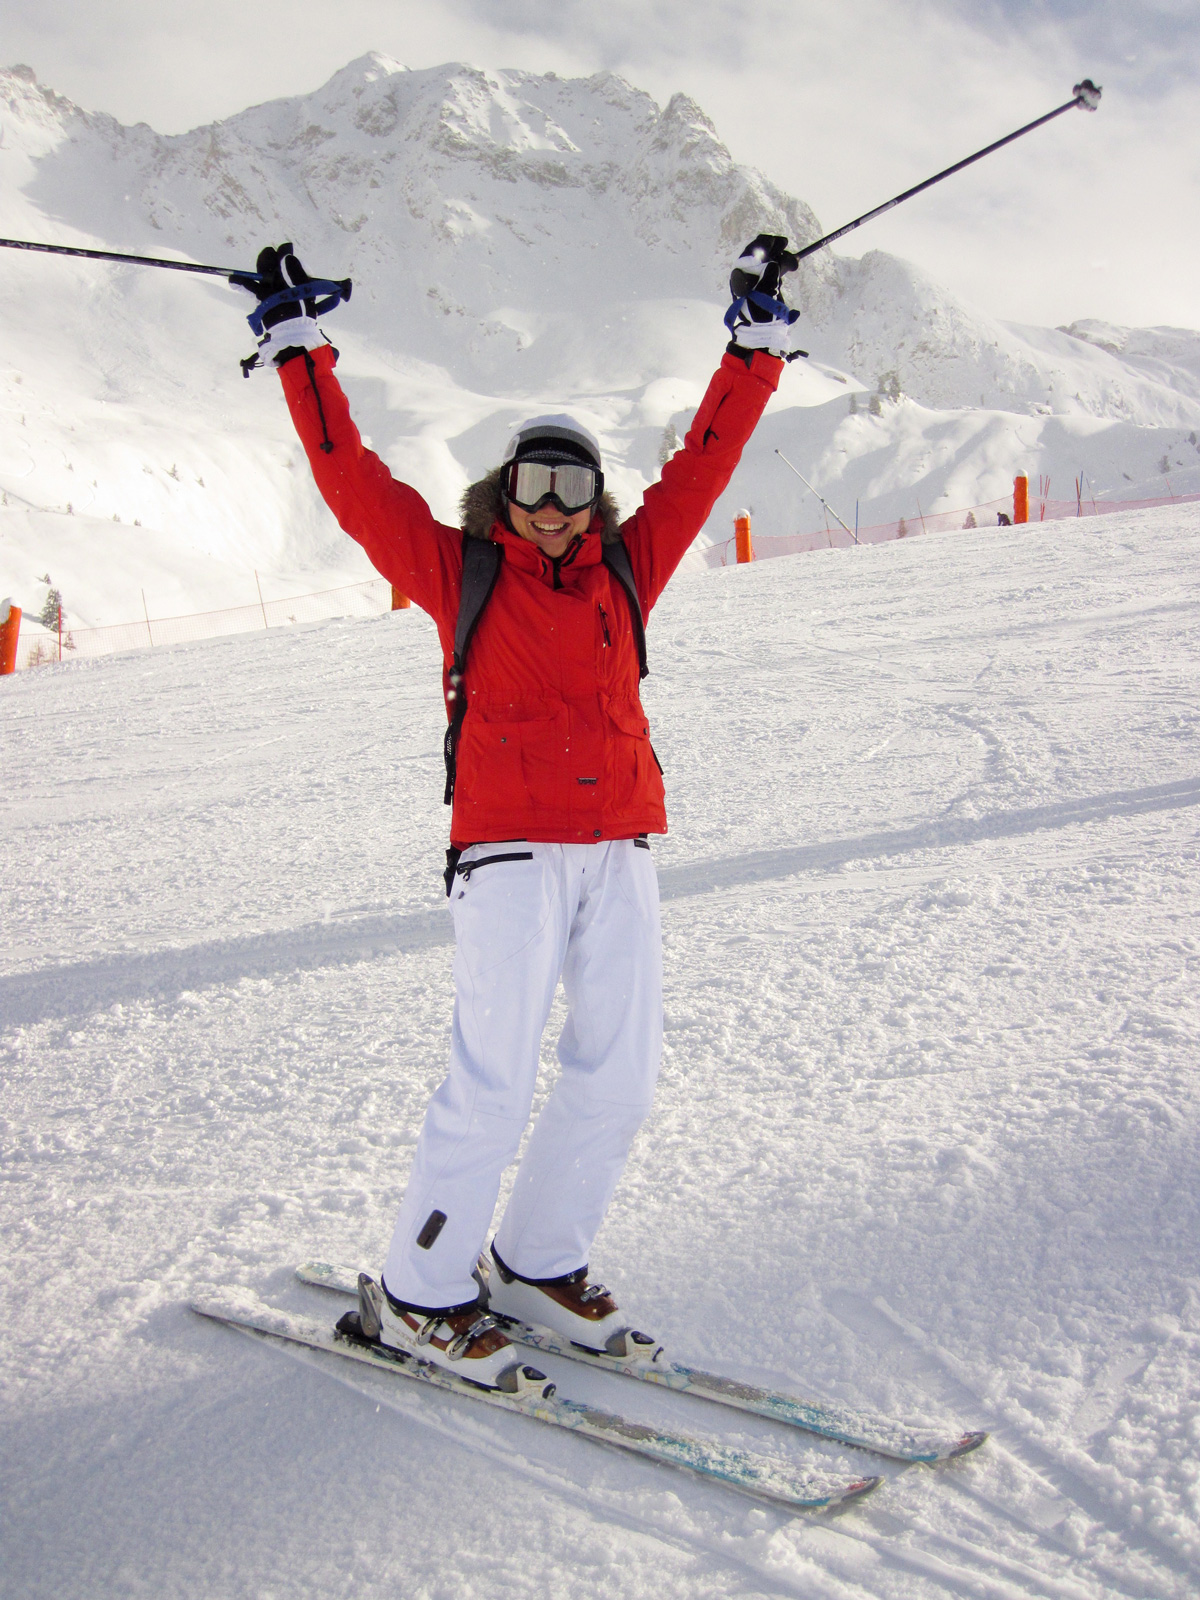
(78, 988)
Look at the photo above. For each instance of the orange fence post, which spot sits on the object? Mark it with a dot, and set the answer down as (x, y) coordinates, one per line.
(10, 627)
(741, 534)
(1020, 498)
(400, 602)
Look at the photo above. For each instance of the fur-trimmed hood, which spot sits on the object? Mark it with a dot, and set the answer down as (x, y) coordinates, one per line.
(483, 504)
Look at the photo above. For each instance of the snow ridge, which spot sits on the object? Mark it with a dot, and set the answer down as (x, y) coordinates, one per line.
(519, 243)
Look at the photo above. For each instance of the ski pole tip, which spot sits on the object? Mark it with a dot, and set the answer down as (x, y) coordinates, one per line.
(1087, 95)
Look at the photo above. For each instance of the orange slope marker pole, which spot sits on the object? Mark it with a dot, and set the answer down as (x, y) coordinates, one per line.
(1020, 498)
(10, 628)
(741, 534)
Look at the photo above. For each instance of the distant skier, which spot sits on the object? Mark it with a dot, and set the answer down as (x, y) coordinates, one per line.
(555, 789)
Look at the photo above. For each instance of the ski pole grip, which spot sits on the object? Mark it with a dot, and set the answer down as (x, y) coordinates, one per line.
(1087, 95)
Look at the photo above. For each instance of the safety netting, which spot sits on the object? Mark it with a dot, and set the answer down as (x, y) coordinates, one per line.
(38, 646)
(991, 514)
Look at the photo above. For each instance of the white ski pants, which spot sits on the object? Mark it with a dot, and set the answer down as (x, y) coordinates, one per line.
(587, 913)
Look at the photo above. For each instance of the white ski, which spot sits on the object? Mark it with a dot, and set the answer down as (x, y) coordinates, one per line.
(826, 1419)
(797, 1488)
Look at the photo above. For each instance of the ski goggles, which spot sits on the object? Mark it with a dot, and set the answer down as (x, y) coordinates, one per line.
(571, 485)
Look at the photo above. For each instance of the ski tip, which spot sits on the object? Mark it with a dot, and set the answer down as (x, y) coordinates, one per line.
(207, 1308)
(218, 1311)
(856, 1491)
(968, 1442)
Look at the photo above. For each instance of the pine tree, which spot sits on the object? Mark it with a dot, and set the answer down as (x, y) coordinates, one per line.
(902, 529)
(853, 404)
(668, 445)
(874, 406)
(51, 610)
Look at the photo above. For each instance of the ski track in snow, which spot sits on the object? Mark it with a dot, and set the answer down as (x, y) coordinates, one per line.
(925, 1135)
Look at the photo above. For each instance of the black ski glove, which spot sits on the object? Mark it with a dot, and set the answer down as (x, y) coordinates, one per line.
(286, 321)
(758, 319)
(279, 270)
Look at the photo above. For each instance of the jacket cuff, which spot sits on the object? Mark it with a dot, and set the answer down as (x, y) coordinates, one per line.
(324, 357)
(767, 367)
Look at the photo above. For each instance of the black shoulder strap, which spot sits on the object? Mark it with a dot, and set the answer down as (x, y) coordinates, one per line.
(481, 559)
(616, 559)
(481, 568)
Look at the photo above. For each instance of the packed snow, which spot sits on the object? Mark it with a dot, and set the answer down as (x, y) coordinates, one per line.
(925, 1138)
(519, 244)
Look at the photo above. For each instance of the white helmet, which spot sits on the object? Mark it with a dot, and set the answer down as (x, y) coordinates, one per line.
(555, 434)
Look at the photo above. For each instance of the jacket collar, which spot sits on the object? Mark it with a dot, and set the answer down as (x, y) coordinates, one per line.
(527, 557)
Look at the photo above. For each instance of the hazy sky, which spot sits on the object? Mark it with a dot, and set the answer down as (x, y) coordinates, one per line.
(843, 102)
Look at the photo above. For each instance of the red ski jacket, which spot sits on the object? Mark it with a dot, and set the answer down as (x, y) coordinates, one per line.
(554, 745)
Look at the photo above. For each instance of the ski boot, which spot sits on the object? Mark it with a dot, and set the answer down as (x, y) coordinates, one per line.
(464, 1340)
(582, 1312)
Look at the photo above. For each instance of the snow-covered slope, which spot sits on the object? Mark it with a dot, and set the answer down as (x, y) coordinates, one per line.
(518, 243)
(911, 459)
(890, 318)
(926, 1134)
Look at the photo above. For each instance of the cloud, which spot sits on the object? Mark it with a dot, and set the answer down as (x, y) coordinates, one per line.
(1150, 45)
(841, 105)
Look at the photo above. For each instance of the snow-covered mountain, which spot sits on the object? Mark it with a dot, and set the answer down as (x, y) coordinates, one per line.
(517, 243)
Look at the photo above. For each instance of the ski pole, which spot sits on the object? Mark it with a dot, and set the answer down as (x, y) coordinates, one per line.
(820, 497)
(1086, 95)
(137, 261)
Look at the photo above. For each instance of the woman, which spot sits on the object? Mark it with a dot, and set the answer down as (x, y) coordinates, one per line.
(555, 789)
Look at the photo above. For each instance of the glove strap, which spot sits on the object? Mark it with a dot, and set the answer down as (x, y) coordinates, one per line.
(334, 294)
(779, 311)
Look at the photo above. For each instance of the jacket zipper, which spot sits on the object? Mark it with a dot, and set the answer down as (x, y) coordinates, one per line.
(564, 560)
(604, 625)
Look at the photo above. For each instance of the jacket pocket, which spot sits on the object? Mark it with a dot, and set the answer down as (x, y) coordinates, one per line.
(464, 869)
(512, 762)
(634, 776)
(489, 762)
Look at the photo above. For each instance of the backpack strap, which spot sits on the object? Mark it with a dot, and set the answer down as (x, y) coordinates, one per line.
(481, 561)
(616, 559)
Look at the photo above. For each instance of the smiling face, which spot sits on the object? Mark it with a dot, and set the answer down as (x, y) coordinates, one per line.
(550, 529)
